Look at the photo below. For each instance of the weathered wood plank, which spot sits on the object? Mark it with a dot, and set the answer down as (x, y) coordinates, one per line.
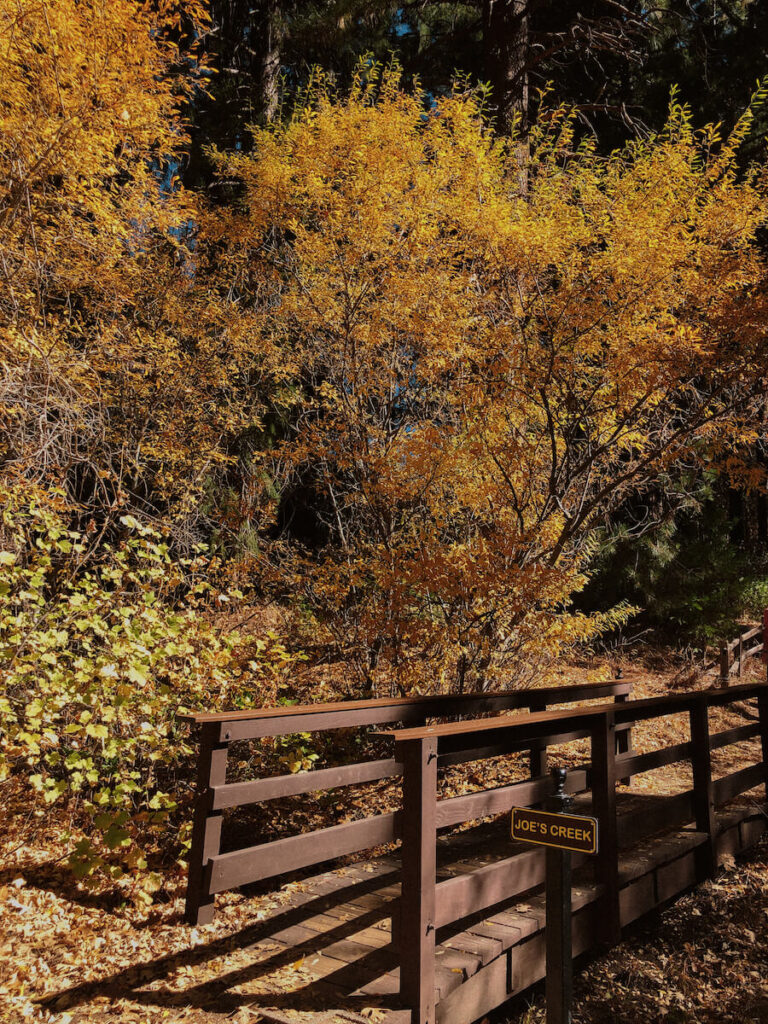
(634, 764)
(416, 934)
(730, 736)
(458, 809)
(604, 804)
(240, 794)
(206, 827)
(703, 789)
(229, 870)
(475, 702)
(259, 723)
(738, 782)
(762, 712)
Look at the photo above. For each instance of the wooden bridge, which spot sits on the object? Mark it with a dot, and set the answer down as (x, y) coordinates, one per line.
(452, 924)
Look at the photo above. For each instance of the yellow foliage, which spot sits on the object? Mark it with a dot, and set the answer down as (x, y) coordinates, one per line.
(95, 664)
(116, 367)
(474, 378)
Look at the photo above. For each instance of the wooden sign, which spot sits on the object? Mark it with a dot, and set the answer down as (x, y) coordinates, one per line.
(562, 831)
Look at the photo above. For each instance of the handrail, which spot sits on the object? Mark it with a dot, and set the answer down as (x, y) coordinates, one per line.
(427, 905)
(733, 654)
(262, 722)
(212, 871)
(540, 724)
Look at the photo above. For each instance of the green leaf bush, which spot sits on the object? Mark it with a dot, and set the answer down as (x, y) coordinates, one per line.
(101, 645)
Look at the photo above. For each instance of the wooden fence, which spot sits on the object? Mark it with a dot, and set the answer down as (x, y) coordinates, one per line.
(428, 905)
(211, 871)
(748, 644)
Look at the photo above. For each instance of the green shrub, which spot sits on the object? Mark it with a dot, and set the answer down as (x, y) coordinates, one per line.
(100, 648)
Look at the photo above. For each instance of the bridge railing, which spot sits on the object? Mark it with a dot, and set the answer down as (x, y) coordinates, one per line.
(427, 905)
(748, 644)
(212, 871)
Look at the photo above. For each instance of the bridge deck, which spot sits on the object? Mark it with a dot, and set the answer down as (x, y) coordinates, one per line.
(336, 926)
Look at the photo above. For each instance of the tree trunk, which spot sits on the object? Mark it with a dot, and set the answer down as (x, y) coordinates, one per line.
(506, 56)
(269, 69)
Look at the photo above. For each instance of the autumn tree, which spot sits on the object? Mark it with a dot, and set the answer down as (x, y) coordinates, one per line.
(475, 380)
(117, 377)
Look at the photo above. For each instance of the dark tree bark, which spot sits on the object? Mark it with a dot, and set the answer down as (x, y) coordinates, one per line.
(269, 61)
(506, 58)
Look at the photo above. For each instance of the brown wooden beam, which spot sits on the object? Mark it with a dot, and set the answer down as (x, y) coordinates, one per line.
(603, 779)
(229, 870)
(206, 826)
(262, 722)
(762, 711)
(240, 794)
(737, 735)
(738, 782)
(419, 871)
(703, 789)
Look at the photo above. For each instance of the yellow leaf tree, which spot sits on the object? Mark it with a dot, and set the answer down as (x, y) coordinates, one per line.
(472, 380)
(117, 371)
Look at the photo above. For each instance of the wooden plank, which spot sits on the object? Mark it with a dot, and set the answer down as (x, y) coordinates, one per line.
(539, 725)
(242, 725)
(240, 794)
(416, 933)
(637, 898)
(229, 870)
(427, 705)
(458, 809)
(604, 804)
(462, 895)
(670, 812)
(206, 827)
(738, 782)
(634, 764)
(506, 934)
(745, 691)
(484, 948)
(624, 740)
(487, 989)
(676, 876)
(762, 713)
(742, 638)
(703, 789)
(459, 961)
(511, 973)
(730, 736)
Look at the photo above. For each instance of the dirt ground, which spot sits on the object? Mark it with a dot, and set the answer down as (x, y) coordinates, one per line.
(70, 953)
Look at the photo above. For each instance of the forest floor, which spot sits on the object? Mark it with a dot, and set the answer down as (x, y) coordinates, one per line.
(71, 952)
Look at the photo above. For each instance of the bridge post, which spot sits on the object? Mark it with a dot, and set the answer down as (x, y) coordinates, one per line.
(206, 826)
(558, 985)
(703, 788)
(603, 784)
(538, 757)
(762, 710)
(623, 736)
(419, 874)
